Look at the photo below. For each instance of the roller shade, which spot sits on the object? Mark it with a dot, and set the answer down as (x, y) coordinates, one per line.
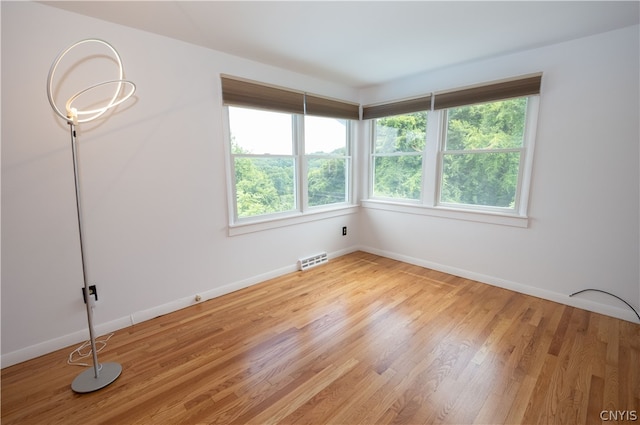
(516, 87)
(252, 94)
(324, 107)
(240, 92)
(396, 108)
(237, 92)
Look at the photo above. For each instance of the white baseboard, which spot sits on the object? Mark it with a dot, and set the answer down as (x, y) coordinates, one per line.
(585, 304)
(37, 350)
(45, 347)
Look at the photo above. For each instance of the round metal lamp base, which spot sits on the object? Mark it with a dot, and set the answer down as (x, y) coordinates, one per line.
(87, 382)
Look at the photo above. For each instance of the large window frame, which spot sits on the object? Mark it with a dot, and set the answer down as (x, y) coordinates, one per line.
(246, 156)
(384, 153)
(250, 94)
(435, 152)
(257, 97)
(526, 140)
(332, 159)
(301, 202)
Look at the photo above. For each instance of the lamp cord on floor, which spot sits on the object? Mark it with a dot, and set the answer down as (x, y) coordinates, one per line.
(608, 293)
(80, 355)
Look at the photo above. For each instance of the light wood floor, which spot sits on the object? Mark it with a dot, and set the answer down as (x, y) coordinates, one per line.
(361, 340)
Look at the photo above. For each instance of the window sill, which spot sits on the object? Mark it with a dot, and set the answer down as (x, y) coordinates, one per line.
(489, 217)
(273, 222)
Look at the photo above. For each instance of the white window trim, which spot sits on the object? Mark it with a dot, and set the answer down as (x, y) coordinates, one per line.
(489, 217)
(429, 204)
(274, 221)
(302, 213)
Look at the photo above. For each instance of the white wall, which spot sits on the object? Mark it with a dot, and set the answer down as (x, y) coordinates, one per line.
(153, 181)
(584, 202)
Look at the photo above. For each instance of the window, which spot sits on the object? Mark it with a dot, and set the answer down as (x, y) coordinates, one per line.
(270, 176)
(289, 152)
(263, 161)
(464, 153)
(398, 149)
(467, 150)
(326, 142)
(482, 151)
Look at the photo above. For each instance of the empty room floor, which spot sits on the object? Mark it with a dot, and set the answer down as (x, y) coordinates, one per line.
(360, 340)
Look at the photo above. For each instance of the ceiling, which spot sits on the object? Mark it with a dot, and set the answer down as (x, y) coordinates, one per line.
(364, 43)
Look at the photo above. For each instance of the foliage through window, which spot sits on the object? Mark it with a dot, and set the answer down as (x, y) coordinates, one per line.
(326, 143)
(268, 164)
(398, 149)
(263, 161)
(481, 157)
(478, 163)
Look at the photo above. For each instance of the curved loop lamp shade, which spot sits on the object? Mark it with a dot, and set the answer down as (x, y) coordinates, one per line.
(120, 94)
(73, 112)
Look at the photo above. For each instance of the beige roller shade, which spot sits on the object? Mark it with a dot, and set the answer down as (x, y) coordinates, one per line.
(252, 94)
(505, 89)
(325, 107)
(396, 108)
(238, 92)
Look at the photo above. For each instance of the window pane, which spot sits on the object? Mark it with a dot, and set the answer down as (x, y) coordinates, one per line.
(401, 133)
(264, 185)
(398, 176)
(487, 179)
(325, 135)
(260, 132)
(494, 125)
(326, 181)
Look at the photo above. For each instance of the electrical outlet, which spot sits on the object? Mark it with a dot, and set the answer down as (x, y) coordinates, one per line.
(344, 231)
(93, 292)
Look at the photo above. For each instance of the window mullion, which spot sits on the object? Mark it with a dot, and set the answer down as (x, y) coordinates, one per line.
(390, 154)
(481, 151)
(357, 162)
(430, 163)
(372, 158)
(302, 192)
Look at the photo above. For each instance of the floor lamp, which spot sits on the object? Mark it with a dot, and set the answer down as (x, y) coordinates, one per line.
(104, 374)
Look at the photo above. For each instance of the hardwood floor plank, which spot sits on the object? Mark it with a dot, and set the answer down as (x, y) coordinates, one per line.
(361, 340)
(596, 399)
(286, 401)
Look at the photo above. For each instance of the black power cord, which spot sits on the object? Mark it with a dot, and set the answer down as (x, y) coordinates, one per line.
(608, 293)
